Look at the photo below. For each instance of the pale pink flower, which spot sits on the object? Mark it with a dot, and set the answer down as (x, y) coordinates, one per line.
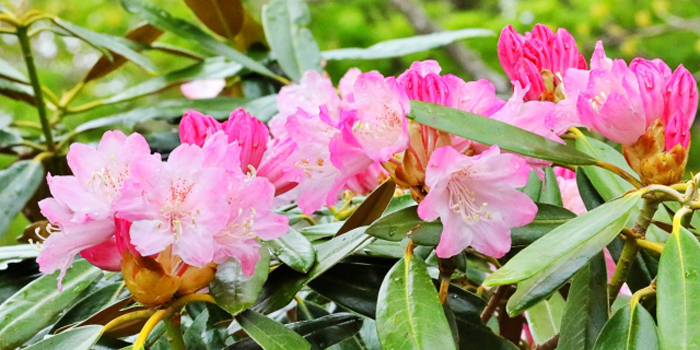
(477, 200)
(477, 97)
(195, 127)
(365, 182)
(203, 88)
(346, 87)
(570, 196)
(81, 209)
(534, 116)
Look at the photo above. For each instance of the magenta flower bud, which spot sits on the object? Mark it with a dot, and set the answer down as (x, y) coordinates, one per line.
(652, 87)
(542, 33)
(250, 133)
(536, 52)
(527, 73)
(510, 49)
(564, 52)
(681, 107)
(195, 127)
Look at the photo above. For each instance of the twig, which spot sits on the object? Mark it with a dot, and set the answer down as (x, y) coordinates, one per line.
(493, 304)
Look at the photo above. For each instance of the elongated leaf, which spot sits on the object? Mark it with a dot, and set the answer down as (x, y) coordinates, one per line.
(17, 91)
(163, 20)
(587, 233)
(81, 338)
(590, 196)
(270, 334)
(398, 203)
(16, 276)
(371, 209)
(629, 329)
(17, 185)
(545, 318)
(294, 250)
(38, 304)
(7, 71)
(9, 137)
(551, 193)
(88, 306)
(203, 335)
(111, 43)
(533, 188)
(494, 132)
(16, 253)
(587, 307)
(316, 232)
(212, 68)
(290, 41)
(223, 17)
(396, 226)
(283, 283)
(678, 288)
(409, 314)
(607, 184)
(143, 34)
(404, 46)
(547, 219)
(233, 290)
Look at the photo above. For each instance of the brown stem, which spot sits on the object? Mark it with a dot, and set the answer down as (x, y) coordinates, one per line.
(493, 304)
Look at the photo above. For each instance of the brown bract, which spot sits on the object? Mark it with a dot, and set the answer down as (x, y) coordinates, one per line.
(652, 162)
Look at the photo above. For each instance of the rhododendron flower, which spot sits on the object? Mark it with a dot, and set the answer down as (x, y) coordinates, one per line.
(195, 127)
(570, 196)
(534, 116)
(477, 200)
(81, 209)
(203, 88)
(365, 182)
(250, 134)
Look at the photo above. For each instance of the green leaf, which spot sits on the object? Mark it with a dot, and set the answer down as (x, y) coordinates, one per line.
(233, 290)
(16, 276)
(397, 225)
(38, 304)
(17, 91)
(677, 291)
(294, 250)
(316, 232)
(398, 203)
(551, 193)
(321, 332)
(404, 46)
(545, 318)
(629, 329)
(81, 338)
(586, 309)
(202, 335)
(270, 334)
(283, 283)
(290, 41)
(576, 241)
(608, 184)
(223, 17)
(88, 306)
(163, 20)
(112, 43)
(372, 208)
(211, 68)
(493, 132)
(7, 71)
(17, 185)
(589, 194)
(547, 219)
(533, 188)
(16, 253)
(409, 313)
(9, 137)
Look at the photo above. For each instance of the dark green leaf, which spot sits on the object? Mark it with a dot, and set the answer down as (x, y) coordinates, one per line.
(233, 290)
(115, 44)
(533, 188)
(16, 253)
(88, 306)
(202, 335)
(7, 71)
(371, 209)
(81, 338)
(677, 291)
(587, 307)
(17, 91)
(545, 318)
(409, 314)
(39, 303)
(395, 226)
(9, 138)
(607, 184)
(223, 17)
(493, 132)
(403, 46)
(551, 193)
(163, 20)
(630, 329)
(547, 219)
(269, 334)
(17, 185)
(589, 195)
(294, 250)
(290, 41)
(16, 276)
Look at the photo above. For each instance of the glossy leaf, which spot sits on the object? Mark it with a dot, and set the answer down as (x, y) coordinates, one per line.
(143, 34)
(39, 303)
(371, 209)
(608, 184)
(17, 185)
(586, 309)
(545, 318)
(404, 46)
(211, 68)
(270, 334)
(547, 219)
(16, 253)
(398, 203)
(551, 193)
(163, 20)
(294, 250)
(576, 241)
(494, 132)
(677, 291)
(409, 314)
(233, 290)
(114, 44)
(396, 226)
(203, 335)
(590, 196)
(629, 329)
(88, 306)
(81, 338)
(533, 188)
(17, 275)
(7, 71)
(291, 42)
(320, 231)
(223, 17)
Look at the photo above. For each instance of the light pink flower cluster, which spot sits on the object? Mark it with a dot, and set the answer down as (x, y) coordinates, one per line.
(199, 203)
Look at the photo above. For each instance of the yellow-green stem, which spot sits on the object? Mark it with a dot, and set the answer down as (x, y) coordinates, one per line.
(148, 328)
(174, 333)
(640, 294)
(126, 318)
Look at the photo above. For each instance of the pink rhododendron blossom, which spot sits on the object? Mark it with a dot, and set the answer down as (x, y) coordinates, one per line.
(203, 88)
(251, 135)
(274, 164)
(681, 107)
(534, 116)
(477, 97)
(105, 255)
(195, 127)
(81, 210)
(570, 196)
(476, 199)
(365, 182)
(346, 87)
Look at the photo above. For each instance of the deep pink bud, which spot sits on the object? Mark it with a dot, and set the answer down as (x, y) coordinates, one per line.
(652, 87)
(250, 133)
(542, 33)
(195, 127)
(538, 53)
(527, 73)
(510, 49)
(564, 52)
(106, 256)
(681, 107)
(123, 238)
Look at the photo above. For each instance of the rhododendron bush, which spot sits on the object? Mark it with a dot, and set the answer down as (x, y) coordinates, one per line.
(417, 211)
